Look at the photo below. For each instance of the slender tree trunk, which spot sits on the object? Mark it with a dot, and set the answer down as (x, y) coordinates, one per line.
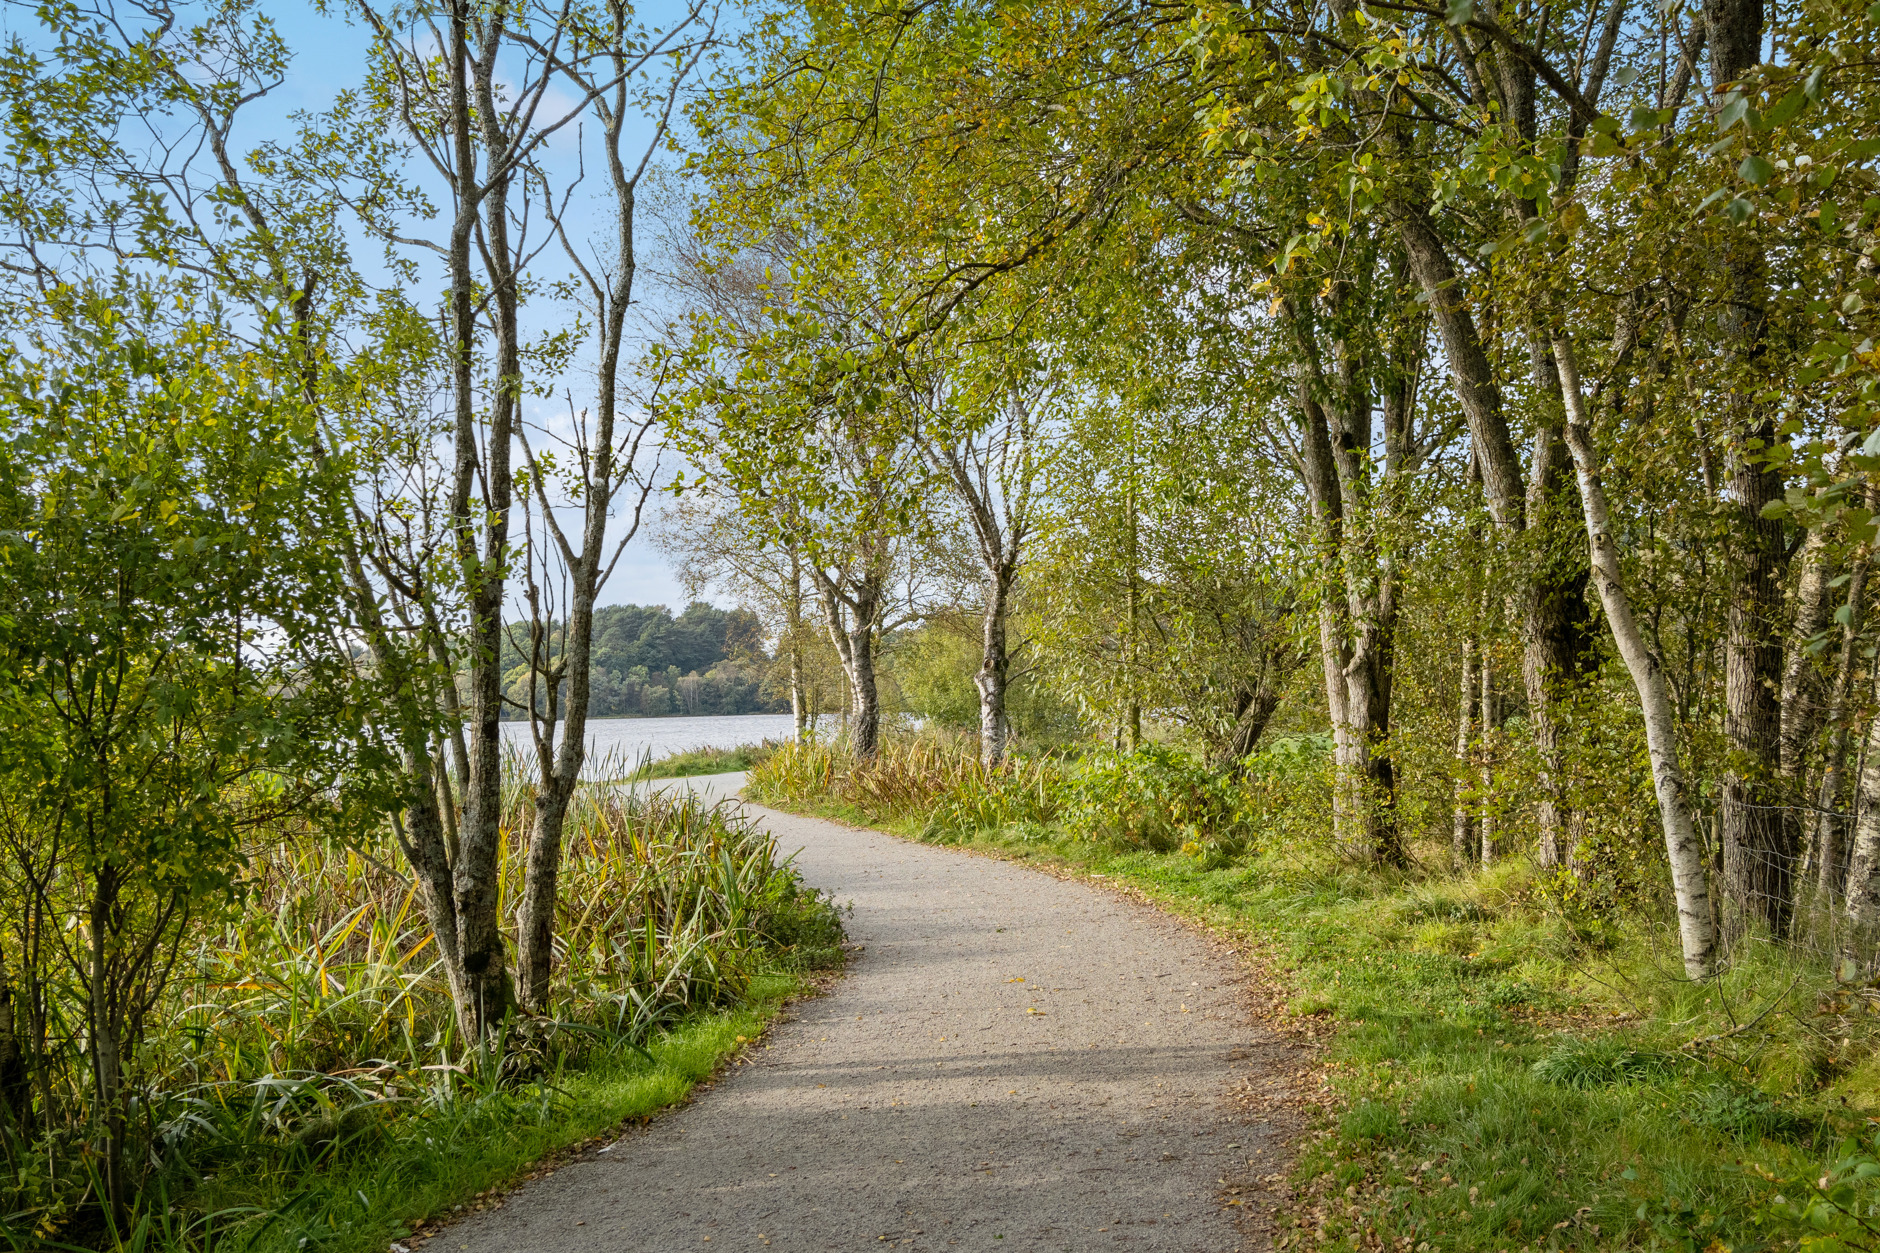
(1863, 869)
(561, 774)
(793, 625)
(1757, 844)
(1758, 840)
(1462, 826)
(1350, 816)
(865, 729)
(1697, 930)
(1489, 820)
(1132, 717)
(1828, 854)
(1551, 599)
(1553, 651)
(995, 665)
(107, 1049)
(855, 642)
(1800, 703)
(475, 873)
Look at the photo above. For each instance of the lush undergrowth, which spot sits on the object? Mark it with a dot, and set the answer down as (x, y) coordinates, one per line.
(301, 1084)
(1508, 1074)
(356, 1179)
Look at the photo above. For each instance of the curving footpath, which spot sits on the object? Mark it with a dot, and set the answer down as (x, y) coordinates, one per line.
(1012, 1061)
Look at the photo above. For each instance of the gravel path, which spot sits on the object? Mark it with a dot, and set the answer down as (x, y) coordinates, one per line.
(1013, 1061)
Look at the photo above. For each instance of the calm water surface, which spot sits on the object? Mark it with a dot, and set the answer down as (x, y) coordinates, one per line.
(611, 741)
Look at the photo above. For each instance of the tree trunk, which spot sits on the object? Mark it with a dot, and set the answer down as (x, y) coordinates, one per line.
(1863, 869)
(865, 729)
(1489, 820)
(107, 1050)
(1554, 648)
(793, 625)
(1697, 930)
(1351, 830)
(1551, 600)
(1828, 854)
(1801, 702)
(995, 665)
(854, 641)
(1462, 826)
(474, 875)
(1757, 849)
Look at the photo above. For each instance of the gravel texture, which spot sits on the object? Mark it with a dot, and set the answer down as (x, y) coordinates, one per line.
(1012, 1061)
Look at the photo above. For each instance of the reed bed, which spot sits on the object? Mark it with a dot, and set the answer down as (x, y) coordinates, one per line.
(926, 776)
(316, 1017)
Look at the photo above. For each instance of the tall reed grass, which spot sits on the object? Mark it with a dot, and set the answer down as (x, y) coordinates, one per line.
(317, 1012)
(927, 776)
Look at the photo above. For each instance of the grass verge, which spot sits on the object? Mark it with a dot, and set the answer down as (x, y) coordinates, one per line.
(370, 1186)
(1504, 1078)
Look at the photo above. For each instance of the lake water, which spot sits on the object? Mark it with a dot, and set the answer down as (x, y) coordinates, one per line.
(616, 740)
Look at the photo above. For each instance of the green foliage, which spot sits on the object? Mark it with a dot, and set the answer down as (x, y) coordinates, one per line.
(173, 684)
(1158, 799)
(933, 668)
(1837, 1210)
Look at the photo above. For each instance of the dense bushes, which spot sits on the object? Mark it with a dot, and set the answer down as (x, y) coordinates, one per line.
(1157, 798)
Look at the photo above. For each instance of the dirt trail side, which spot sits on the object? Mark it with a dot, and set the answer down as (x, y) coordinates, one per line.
(1013, 1061)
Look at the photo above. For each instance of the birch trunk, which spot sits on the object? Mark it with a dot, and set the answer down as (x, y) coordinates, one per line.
(1462, 826)
(854, 640)
(995, 665)
(865, 729)
(793, 624)
(1697, 930)
(1489, 821)
(1863, 869)
(1826, 842)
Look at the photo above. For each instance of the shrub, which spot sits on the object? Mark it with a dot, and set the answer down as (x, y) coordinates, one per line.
(1160, 799)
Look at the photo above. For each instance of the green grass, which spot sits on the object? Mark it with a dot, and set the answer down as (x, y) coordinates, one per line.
(1505, 1078)
(352, 1195)
(700, 761)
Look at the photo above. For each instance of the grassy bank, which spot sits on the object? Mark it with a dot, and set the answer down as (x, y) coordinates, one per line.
(353, 1185)
(1506, 1074)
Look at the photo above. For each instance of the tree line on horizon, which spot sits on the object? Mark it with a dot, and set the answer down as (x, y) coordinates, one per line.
(649, 662)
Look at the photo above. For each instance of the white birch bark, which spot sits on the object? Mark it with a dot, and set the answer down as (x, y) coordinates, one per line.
(1697, 929)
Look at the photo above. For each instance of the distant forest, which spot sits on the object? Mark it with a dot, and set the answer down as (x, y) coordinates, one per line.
(648, 663)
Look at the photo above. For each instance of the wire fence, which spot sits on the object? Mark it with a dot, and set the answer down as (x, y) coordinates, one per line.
(1780, 876)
